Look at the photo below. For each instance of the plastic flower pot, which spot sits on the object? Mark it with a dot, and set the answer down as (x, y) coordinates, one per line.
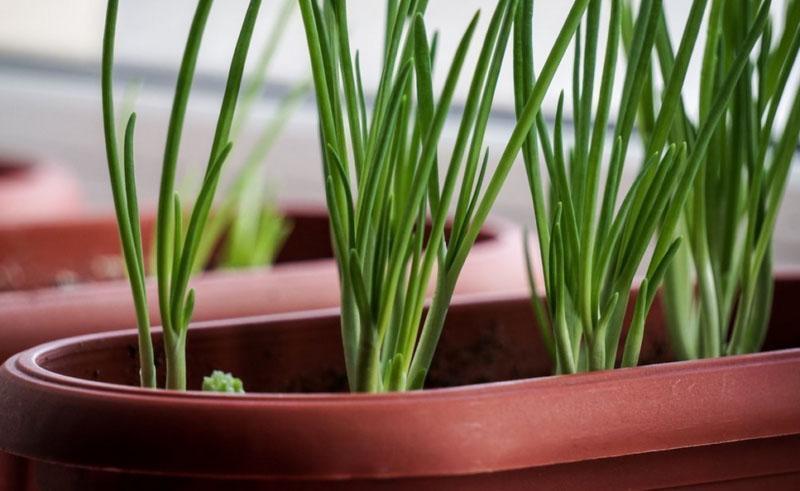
(493, 419)
(35, 190)
(65, 278)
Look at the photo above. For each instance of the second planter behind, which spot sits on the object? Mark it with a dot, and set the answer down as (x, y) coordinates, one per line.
(65, 278)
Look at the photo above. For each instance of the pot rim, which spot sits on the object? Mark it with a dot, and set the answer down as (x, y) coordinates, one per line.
(27, 363)
(500, 228)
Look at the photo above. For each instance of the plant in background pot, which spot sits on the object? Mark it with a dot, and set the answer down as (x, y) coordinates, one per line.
(731, 208)
(248, 229)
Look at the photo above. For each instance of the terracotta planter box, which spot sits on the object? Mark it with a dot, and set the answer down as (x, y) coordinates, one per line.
(62, 279)
(71, 410)
(34, 190)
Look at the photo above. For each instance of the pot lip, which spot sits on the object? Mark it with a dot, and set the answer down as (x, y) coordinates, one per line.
(503, 234)
(27, 365)
(500, 227)
(99, 216)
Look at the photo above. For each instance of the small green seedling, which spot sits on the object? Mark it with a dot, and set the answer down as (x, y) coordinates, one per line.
(220, 381)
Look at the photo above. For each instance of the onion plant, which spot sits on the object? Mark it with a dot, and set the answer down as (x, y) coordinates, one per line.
(175, 248)
(381, 170)
(730, 214)
(591, 248)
